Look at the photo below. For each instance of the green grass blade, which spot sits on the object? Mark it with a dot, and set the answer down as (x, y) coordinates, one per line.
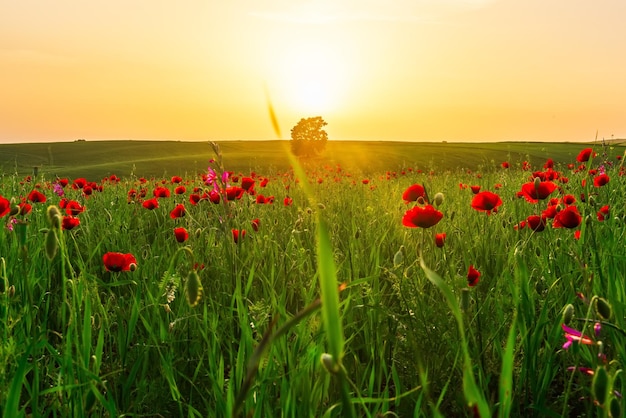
(472, 392)
(331, 316)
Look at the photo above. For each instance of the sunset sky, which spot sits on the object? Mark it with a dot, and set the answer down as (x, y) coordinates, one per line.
(423, 70)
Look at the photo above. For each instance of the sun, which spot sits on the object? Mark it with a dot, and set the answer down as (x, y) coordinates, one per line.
(310, 78)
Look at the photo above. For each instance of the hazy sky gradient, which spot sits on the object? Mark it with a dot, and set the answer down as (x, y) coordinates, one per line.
(457, 70)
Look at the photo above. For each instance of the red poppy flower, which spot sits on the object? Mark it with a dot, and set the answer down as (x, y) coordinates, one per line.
(486, 202)
(119, 262)
(414, 192)
(287, 201)
(505, 164)
(569, 199)
(194, 198)
(536, 223)
(567, 218)
(473, 276)
(87, 190)
(161, 192)
(151, 203)
(70, 222)
(178, 211)
(264, 182)
(5, 206)
(180, 190)
(534, 192)
(177, 179)
(584, 155)
(475, 189)
(181, 234)
(73, 208)
(440, 239)
(550, 212)
(25, 208)
(255, 224)
(37, 197)
(549, 163)
(421, 216)
(234, 192)
(237, 234)
(603, 213)
(601, 180)
(247, 183)
(214, 197)
(79, 183)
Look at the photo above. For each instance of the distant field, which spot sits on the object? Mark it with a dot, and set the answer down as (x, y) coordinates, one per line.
(97, 159)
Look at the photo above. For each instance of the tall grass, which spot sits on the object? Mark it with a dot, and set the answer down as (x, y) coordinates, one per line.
(260, 327)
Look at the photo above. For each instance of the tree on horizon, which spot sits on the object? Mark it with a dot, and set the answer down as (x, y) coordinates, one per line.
(308, 138)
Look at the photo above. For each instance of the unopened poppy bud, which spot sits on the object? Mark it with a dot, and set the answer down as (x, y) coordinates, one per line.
(14, 210)
(603, 309)
(198, 232)
(600, 385)
(438, 199)
(132, 267)
(11, 291)
(568, 313)
(537, 183)
(321, 206)
(193, 288)
(420, 200)
(54, 217)
(52, 244)
(398, 258)
(329, 363)
(615, 408)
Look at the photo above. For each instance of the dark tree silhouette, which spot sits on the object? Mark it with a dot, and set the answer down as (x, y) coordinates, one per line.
(308, 138)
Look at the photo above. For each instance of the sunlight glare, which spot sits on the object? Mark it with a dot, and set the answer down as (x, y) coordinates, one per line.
(311, 77)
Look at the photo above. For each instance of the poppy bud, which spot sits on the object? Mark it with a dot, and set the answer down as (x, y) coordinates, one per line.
(537, 183)
(329, 363)
(132, 267)
(614, 407)
(198, 232)
(398, 258)
(11, 291)
(600, 385)
(193, 288)
(438, 199)
(14, 210)
(54, 216)
(52, 244)
(321, 206)
(568, 313)
(603, 309)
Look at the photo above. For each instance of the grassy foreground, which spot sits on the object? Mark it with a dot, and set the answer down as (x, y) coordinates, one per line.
(308, 293)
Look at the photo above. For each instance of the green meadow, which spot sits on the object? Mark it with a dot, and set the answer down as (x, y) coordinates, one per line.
(97, 159)
(381, 279)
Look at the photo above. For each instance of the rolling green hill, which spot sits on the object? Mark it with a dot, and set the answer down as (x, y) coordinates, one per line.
(96, 159)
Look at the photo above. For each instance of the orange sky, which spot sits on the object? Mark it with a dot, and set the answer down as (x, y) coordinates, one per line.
(425, 70)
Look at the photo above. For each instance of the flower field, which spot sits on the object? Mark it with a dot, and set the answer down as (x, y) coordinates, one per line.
(317, 291)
